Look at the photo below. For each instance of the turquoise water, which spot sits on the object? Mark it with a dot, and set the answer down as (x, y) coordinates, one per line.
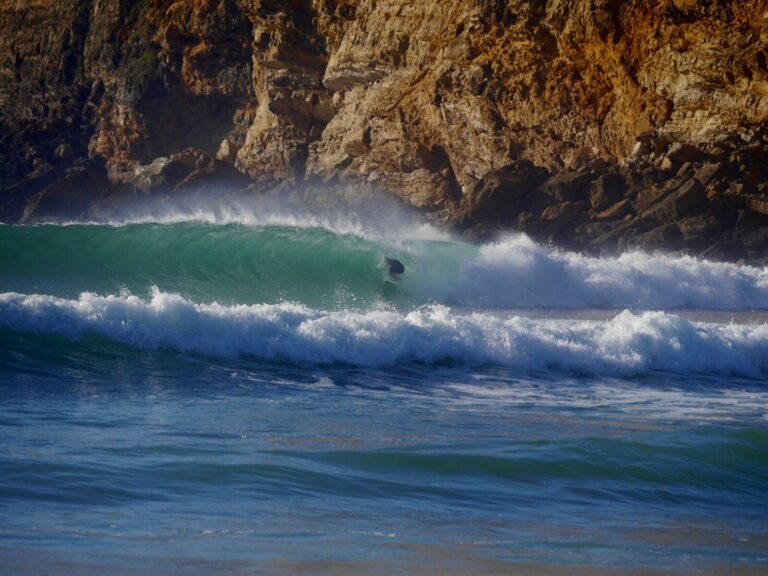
(225, 399)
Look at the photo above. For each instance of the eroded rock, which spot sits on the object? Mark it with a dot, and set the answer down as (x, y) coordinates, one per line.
(625, 109)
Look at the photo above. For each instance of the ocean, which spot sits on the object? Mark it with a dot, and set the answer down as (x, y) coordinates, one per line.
(257, 396)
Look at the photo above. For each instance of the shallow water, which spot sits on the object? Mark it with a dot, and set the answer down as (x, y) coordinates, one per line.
(200, 398)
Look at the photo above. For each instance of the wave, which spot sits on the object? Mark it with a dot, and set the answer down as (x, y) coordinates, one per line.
(231, 263)
(517, 272)
(627, 344)
(320, 268)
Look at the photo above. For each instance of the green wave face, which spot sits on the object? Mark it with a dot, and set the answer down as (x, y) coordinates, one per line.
(230, 264)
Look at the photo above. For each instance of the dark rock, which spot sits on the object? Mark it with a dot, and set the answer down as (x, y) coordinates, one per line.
(217, 177)
(665, 237)
(617, 238)
(709, 172)
(588, 231)
(654, 141)
(606, 191)
(640, 149)
(501, 195)
(757, 241)
(751, 162)
(64, 151)
(568, 186)
(729, 140)
(618, 210)
(482, 232)
(684, 170)
(748, 220)
(530, 223)
(759, 205)
(647, 196)
(680, 153)
(717, 153)
(724, 250)
(733, 202)
(71, 196)
(703, 225)
(564, 211)
(561, 219)
(647, 137)
(145, 177)
(688, 200)
(641, 179)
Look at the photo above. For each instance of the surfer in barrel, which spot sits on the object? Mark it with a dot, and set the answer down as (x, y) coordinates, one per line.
(394, 267)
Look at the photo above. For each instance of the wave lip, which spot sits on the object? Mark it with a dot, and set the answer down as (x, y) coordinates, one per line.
(627, 344)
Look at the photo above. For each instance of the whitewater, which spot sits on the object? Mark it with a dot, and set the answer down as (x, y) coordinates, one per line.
(235, 390)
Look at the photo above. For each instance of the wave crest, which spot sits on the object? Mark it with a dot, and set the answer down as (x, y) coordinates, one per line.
(623, 345)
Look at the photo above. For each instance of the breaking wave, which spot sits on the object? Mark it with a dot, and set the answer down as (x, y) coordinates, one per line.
(627, 344)
(234, 263)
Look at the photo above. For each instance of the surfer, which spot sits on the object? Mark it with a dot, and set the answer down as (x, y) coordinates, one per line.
(394, 267)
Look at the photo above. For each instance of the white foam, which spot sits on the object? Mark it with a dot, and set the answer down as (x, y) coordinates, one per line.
(624, 345)
(518, 273)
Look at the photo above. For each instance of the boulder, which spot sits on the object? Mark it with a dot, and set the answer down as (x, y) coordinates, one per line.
(718, 153)
(688, 200)
(561, 219)
(680, 153)
(619, 210)
(709, 172)
(568, 186)
(227, 151)
(606, 191)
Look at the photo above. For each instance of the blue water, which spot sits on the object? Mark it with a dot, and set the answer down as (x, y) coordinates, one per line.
(159, 417)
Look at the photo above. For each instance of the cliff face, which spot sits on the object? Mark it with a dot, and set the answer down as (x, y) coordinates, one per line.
(433, 102)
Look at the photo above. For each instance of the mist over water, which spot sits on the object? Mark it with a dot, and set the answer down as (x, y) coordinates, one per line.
(224, 386)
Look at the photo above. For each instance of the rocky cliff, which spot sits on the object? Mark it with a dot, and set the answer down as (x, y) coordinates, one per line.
(602, 124)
